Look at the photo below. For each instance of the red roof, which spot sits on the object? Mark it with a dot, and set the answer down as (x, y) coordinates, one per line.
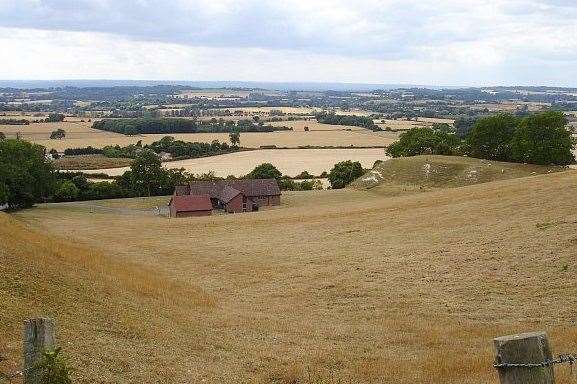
(228, 193)
(191, 203)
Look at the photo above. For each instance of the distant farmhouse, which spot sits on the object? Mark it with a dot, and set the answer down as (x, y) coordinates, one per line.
(199, 198)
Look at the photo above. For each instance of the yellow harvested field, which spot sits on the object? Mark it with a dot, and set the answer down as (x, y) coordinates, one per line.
(81, 135)
(336, 286)
(289, 161)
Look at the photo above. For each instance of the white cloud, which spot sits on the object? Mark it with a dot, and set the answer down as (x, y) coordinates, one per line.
(383, 41)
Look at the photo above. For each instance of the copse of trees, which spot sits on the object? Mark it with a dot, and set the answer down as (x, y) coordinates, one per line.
(438, 140)
(353, 120)
(82, 151)
(541, 138)
(168, 126)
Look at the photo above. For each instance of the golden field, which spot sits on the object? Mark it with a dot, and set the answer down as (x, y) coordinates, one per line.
(290, 162)
(340, 286)
(80, 134)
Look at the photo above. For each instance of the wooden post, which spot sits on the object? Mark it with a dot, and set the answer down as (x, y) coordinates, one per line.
(38, 337)
(525, 348)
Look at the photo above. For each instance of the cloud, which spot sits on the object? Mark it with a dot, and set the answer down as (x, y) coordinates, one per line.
(388, 39)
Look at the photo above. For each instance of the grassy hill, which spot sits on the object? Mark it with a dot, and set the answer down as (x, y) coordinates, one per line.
(423, 173)
(334, 286)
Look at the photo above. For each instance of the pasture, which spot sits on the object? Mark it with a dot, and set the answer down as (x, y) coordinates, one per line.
(290, 162)
(338, 286)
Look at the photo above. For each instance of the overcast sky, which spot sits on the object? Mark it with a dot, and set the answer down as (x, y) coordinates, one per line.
(432, 42)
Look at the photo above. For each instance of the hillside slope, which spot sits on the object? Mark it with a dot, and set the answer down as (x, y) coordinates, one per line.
(100, 303)
(422, 173)
(340, 286)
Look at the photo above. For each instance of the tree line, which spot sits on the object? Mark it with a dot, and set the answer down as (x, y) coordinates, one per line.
(542, 138)
(168, 126)
(27, 177)
(352, 120)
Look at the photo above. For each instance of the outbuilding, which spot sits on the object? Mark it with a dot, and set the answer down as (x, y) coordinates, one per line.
(190, 205)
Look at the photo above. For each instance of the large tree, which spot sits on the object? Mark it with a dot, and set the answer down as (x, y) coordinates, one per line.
(490, 137)
(543, 139)
(25, 175)
(265, 171)
(344, 173)
(146, 175)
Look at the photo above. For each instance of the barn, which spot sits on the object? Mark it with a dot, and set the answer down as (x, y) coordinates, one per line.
(235, 195)
(190, 205)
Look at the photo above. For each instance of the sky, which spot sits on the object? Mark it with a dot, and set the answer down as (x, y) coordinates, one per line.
(428, 42)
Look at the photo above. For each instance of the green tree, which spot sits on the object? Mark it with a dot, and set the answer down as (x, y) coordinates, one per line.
(543, 139)
(2, 136)
(146, 173)
(490, 137)
(419, 141)
(58, 134)
(344, 173)
(66, 191)
(25, 174)
(234, 138)
(265, 171)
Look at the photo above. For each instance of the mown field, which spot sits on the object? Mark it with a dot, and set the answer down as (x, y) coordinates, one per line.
(338, 286)
(80, 134)
(290, 162)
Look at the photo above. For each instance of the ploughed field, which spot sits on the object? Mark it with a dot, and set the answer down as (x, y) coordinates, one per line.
(331, 287)
(290, 162)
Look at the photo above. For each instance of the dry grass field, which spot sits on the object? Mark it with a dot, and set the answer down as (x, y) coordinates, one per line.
(338, 286)
(80, 134)
(313, 125)
(290, 162)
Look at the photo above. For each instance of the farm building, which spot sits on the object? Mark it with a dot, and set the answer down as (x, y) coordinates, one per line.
(190, 205)
(234, 196)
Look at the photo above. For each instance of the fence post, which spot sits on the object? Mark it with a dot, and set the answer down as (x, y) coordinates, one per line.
(525, 348)
(38, 337)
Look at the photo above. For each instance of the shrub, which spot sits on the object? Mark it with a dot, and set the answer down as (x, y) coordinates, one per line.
(344, 173)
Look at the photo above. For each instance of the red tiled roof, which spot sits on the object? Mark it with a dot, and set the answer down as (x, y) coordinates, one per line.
(191, 203)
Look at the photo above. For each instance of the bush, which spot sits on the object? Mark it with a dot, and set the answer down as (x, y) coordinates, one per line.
(344, 173)
(53, 368)
(66, 191)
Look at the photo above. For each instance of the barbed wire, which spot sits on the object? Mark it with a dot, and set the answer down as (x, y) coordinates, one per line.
(561, 359)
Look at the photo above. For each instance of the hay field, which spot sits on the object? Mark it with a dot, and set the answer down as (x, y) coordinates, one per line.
(81, 135)
(332, 287)
(290, 162)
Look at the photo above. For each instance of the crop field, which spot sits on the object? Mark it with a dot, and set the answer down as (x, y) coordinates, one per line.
(313, 125)
(339, 286)
(80, 134)
(290, 162)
